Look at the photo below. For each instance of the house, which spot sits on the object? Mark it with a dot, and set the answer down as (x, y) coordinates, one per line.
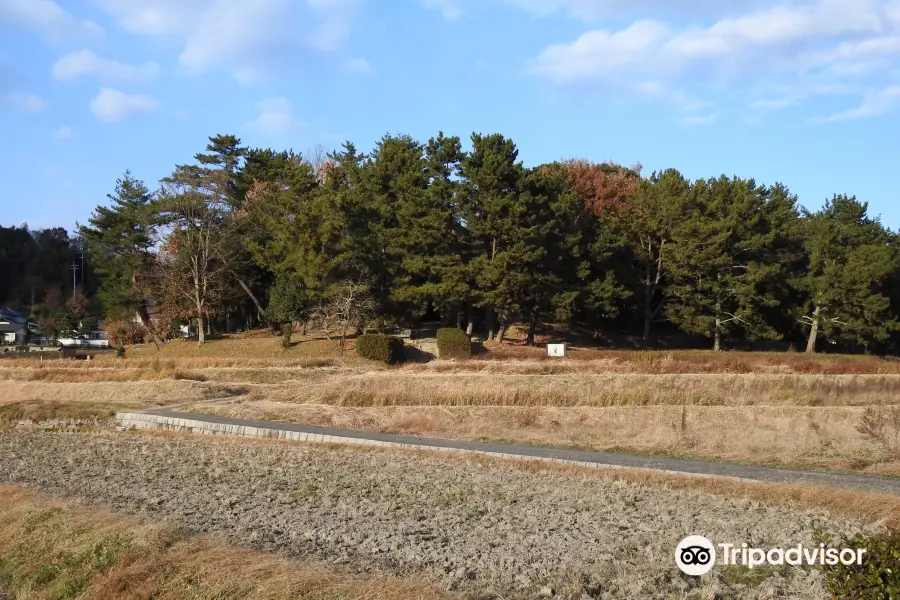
(13, 333)
(14, 326)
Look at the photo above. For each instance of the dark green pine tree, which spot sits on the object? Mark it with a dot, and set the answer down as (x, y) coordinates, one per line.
(647, 227)
(394, 191)
(722, 268)
(851, 260)
(119, 239)
(222, 165)
(539, 281)
(492, 173)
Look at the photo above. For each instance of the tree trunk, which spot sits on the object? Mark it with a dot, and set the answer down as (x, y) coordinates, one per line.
(648, 319)
(648, 312)
(529, 341)
(249, 292)
(305, 327)
(201, 334)
(490, 322)
(460, 318)
(502, 332)
(145, 317)
(814, 332)
(717, 344)
(470, 325)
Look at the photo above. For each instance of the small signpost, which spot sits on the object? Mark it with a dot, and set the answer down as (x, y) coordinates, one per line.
(556, 350)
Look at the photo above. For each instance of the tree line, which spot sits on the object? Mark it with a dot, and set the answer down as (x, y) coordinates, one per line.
(411, 231)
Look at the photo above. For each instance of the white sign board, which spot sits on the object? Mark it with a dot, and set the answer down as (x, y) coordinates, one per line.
(556, 350)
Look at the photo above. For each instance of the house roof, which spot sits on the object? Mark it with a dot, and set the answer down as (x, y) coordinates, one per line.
(12, 327)
(12, 315)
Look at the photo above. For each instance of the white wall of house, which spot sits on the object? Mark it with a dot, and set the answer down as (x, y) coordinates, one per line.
(80, 343)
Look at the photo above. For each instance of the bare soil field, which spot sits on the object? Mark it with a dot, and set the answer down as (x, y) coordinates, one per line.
(477, 529)
(55, 549)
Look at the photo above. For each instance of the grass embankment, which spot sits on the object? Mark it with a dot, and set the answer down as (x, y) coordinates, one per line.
(55, 551)
(791, 437)
(760, 408)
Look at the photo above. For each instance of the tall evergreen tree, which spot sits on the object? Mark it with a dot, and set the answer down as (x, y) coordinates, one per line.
(492, 173)
(119, 239)
(721, 267)
(850, 261)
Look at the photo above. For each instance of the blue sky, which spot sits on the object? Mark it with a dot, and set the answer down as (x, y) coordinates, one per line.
(805, 92)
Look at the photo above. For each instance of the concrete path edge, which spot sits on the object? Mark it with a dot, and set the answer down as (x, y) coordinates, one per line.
(186, 422)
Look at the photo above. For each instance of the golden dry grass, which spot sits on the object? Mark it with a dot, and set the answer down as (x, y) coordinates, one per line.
(798, 437)
(54, 550)
(414, 388)
(744, 407)
(42, 400)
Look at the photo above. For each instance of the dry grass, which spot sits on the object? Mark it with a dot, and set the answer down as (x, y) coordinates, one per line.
(799, 437)
(702, 361)
(55, 550)
(413, 388)
(42, 401)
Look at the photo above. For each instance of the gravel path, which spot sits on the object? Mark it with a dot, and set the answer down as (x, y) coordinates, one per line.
(483, 530)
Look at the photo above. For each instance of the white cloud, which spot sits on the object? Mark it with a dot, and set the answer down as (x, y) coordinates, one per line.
(773, 103)
(806, 44)
(249, 39)
(81, 63)
(26, 102)
(112, 105)
(48, 17)
(357, 65)
(594, 10)
(276, 117)
(63, 133)
(449, 9)
(698, 120)
(875, 103)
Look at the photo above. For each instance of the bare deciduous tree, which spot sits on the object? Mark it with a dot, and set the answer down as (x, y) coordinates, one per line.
(195, 259)
(347, 308)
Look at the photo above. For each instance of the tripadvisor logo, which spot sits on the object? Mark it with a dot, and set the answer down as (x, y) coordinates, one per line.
(696, 555)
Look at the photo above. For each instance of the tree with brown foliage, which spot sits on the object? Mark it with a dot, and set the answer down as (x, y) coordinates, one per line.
(603, 186)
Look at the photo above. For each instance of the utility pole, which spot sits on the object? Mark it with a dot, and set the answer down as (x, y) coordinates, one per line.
(82, 272)
(74, 268)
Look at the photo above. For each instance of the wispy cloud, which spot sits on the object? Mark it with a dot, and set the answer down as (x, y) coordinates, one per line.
(276, 117)
(26, 102)
(833, 42)
(875, 103)
(111, 105)
(85, 63)
(449, 9)
(49, 18)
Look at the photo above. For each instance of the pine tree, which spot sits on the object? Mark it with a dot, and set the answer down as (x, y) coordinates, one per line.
(492, 175)
(721, 267)
(119, 239)
(850, 260)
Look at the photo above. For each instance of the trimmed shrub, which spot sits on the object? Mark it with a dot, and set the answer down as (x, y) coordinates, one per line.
(876, 578)
(384, 348)
(453, 343)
